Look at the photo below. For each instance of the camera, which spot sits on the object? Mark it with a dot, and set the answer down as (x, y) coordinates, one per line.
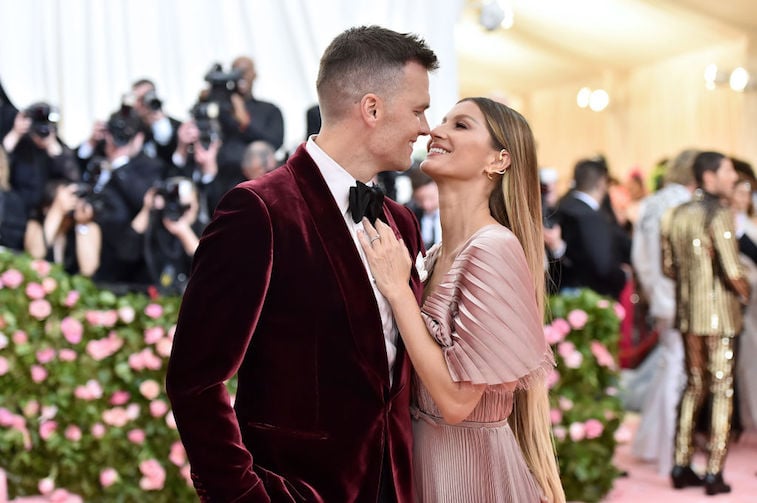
(205, 115)
(124, 125)
(44, 118)
(222, 84)
(174, 191)
(150, 100)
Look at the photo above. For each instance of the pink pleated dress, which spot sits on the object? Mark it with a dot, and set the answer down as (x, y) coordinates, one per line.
(484, 315)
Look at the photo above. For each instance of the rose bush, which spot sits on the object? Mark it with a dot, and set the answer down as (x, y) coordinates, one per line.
(583, 330)
(82, 402)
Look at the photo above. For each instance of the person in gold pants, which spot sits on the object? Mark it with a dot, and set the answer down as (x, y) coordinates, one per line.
(700, 253)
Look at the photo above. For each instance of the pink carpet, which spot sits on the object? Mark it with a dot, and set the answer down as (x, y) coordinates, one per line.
(644, 485)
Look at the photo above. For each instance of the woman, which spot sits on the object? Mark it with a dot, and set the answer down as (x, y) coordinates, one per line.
(746, 373)
(477, 345)
(66, 234)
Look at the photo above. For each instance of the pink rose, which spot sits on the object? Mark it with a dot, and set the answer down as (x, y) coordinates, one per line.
(555, 415)
(154, 311)
(72, 329)
(49, 285)
(40, 309)
(63, 496)
(12, 278)
(551, 335)
(98, 430)
(574, 360)
(71, 298)
(154, 475)
(73, 433)
(136, 436)
(100, 349)
(3, 341)
(611, 391)
(552, 378)
(108, 477)
(35, 291)
(620, 311)
(593, 428)
(178, 455)
(565, 403)
(120, 397)
(559, 432)
(39, 373)
(19, 337)
(67, 355)
(127, 314)
(578, 318)
(158, 408)
(132, 411)
(603, 356)
(46, 429)
(609, 415)
(6, 417)
(603, 303)
(46, 486)
(101, 318)
(41, 267)
(115, 417)
(150, 389)
(565, 349)
(153, 334)
(577, 431)
(562, 326)
(145, 359)
(4, 366)
(31, 408)
(163, 347)
(45, 355)
(90, 391)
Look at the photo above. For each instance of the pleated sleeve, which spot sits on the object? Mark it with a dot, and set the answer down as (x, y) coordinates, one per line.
(485, 317)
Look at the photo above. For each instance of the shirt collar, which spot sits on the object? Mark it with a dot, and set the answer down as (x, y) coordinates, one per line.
(119, 162)
(338, 180)
(583, 196)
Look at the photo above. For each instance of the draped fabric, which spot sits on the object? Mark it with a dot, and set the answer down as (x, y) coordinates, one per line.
(484, 315)
(82, 55)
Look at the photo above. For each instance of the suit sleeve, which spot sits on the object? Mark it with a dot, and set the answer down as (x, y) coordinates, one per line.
(220, 309)
(724, 241)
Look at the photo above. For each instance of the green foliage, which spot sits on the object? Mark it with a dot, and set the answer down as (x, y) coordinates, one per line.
(586, 412)
(82, 400)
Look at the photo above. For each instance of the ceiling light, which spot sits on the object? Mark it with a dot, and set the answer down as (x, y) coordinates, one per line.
(599, 100)
(582, 98)
(739, 79)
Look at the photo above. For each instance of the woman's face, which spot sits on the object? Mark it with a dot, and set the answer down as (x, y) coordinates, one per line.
(460, 147)
(742, 196)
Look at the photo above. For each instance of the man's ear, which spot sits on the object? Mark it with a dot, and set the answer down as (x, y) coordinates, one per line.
(370, 105)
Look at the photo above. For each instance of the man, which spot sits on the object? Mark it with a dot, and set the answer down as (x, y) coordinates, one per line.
(593, 243)
(662, 392)
(259, 159)
(424, 203)
(160, 130)
(281, 296)
(250, 120)
(700, 253)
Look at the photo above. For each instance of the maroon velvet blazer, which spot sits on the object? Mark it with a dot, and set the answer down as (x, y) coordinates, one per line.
(279, 296)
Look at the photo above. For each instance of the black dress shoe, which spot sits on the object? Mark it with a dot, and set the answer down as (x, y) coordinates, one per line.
(684, 476)
(714, 484)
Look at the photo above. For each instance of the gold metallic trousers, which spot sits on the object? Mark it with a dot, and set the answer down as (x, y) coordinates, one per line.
(709, 367)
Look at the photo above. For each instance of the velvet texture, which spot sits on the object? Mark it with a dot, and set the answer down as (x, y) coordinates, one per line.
(279, 295)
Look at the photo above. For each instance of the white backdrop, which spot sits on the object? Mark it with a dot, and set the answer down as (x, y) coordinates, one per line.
(82, 55)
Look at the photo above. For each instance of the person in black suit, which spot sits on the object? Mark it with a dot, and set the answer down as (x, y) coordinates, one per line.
(7, 113)
(592, 241)
(159, 129)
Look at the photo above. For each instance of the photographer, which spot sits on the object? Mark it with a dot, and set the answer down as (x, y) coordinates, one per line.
(36, 154)
(12, 210)
(7, 113)
(243, 118)
(160, 130)
(66, 234)
(164, 234)
(119, 189)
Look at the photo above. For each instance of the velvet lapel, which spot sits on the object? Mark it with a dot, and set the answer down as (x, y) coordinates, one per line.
(356, 290)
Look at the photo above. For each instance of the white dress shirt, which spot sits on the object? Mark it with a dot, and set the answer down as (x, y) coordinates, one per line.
(339, 183)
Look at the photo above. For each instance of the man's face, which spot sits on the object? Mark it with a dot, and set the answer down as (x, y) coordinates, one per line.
(404, 119)
(427, 197)
(247, 67)
(725, 178)
(139, 93)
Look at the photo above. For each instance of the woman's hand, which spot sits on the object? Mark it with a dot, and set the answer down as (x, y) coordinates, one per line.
(387, 256)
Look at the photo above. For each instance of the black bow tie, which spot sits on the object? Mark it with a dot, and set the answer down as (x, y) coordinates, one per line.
(366, 201)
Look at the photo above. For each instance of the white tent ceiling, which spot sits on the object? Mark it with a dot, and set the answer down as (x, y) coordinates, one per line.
(553, 42)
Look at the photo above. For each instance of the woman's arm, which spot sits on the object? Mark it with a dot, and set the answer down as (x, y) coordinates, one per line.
(390, 264)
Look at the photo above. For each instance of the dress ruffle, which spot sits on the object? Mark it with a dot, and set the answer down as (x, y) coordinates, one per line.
(484, 313)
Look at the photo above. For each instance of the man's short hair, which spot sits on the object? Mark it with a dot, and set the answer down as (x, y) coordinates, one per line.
(366, 59)
(704, 162)
(588, 173)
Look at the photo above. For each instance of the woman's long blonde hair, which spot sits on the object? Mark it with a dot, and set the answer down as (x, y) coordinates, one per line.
(516, 204)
